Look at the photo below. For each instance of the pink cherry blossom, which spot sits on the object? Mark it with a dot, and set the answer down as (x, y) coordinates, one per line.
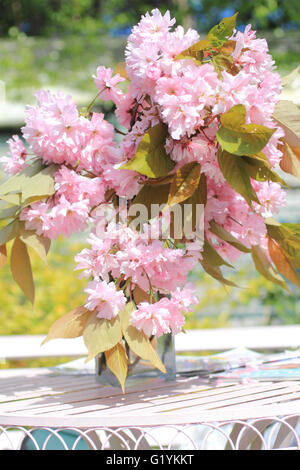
(166, 315)
(106, 83)
(105, 299)
(16, 161)
(76, 187)
(152, 319)
(154, 25)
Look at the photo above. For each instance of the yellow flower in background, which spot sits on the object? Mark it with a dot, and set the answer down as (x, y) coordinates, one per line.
(57, 286)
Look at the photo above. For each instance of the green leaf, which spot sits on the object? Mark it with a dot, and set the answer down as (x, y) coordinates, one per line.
(190, 206)
(236, 175)
(21, 268)
(265, 268)
(224, 62)
(261, 157)
(294, 228)
(13, 198)
(261, 171)
(71, 325)
(292, 252)
(249, 139)
(34, 183)
(21, 179)
(40, 244)
(194, 52)
(184, 183)
(216, 273)
(281, 232)
(137, 340)
(216, 38)
(9, 232)
(101, 335)
(212, 257)
(201, 192)
(147, 196)
(151, 158)
(9, 212)
(272, 222)
(198, 197)
(117, 362)
(219, 34)
(41, 185)
(234, 118)
(221, 233)
(160, 181)
(241, 139)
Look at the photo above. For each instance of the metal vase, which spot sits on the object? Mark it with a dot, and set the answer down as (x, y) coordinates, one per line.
(139, 369)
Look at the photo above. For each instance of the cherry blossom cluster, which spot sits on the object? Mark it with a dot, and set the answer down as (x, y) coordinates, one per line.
(189, 100)
(136, 262)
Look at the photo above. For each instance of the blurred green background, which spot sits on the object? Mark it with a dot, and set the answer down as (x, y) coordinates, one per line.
(57, 44)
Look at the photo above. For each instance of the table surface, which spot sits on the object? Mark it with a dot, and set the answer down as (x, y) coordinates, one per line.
(42, 397)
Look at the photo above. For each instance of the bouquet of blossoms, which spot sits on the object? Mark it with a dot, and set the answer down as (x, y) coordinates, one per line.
(187, 176)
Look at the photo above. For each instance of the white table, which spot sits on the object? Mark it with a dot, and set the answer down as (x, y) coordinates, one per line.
(190, 412)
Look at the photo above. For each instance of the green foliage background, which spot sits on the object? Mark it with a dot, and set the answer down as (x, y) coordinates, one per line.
(58, 290)
(50, 17)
